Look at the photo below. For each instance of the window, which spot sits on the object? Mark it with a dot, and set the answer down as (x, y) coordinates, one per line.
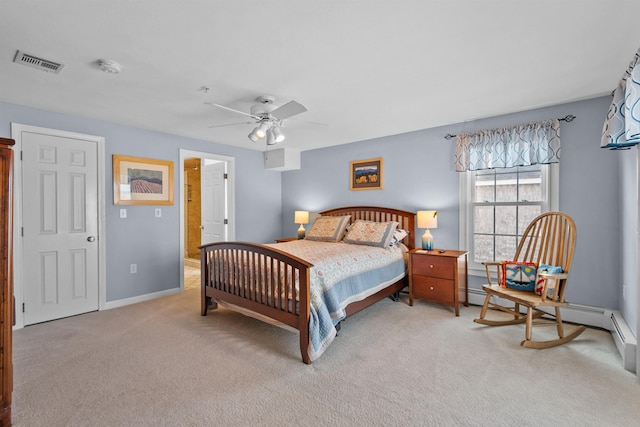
(497, 205)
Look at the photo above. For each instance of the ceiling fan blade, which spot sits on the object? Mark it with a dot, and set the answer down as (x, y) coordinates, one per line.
(287, 110)
(232, 124)
(234, 111)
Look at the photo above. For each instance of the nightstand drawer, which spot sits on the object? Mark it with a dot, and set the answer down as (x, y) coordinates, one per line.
(433, 266)
(433, 289)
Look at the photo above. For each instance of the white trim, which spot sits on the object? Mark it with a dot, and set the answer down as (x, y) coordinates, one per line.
(550, 186)
(18, 260)
(231, 206)
(141, 298)
(637, 248)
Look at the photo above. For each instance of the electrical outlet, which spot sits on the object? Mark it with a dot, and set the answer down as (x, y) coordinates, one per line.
(133, 268)
(123, 213)
(158, 212)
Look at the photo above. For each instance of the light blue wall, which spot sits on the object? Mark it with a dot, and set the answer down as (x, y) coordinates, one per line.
(419, 174)
(153, 243)
(598, 188)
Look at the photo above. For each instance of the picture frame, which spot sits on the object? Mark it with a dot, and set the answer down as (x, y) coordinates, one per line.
(142, 181)
(366, 174)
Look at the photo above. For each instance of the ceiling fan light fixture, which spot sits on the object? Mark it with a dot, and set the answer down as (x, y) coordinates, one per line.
(261, 131)
(271, 140)
(253, 136)
(277, 134)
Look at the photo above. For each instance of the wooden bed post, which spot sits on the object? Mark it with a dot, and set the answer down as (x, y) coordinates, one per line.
(305, 314)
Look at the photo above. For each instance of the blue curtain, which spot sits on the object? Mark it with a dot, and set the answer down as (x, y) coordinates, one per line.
(622, 126)
(523, 145)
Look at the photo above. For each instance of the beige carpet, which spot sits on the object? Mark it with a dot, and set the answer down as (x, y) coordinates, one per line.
(160, 363)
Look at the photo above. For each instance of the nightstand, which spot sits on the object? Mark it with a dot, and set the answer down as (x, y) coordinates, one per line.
(439, 276)
(286, 239)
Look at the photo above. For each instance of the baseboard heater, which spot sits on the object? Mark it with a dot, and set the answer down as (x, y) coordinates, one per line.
(625, 341)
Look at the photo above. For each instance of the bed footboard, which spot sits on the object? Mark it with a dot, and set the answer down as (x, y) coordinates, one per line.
(262, 279)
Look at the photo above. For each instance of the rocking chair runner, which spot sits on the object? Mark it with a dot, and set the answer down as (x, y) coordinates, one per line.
(550, 240)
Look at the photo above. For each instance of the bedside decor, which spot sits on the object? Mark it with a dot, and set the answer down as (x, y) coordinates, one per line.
(139, 181)
(366, 174)
(439, 276)
(301, 217)
(427, 220)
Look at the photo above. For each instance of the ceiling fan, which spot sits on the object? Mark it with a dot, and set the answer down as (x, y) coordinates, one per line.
(268, 117)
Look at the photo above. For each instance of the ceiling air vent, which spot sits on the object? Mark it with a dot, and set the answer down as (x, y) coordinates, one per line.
(39, 63)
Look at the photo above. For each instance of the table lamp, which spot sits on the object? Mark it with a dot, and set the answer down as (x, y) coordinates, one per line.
(301, 217)
(427, 220)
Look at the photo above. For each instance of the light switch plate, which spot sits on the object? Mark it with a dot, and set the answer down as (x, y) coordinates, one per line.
(123, 213)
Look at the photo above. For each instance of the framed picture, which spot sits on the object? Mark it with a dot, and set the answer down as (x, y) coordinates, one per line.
(366, 174)
(139, 181)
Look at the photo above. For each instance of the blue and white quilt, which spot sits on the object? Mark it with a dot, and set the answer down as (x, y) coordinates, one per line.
(342, 273)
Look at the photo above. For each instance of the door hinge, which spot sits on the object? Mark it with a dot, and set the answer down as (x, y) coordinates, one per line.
(226, 221)
(226, 176)
(21, 231)
(20, 155)
(23, 307)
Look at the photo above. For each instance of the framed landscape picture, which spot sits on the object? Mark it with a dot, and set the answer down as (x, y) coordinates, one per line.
(140, 181)
(366, 174)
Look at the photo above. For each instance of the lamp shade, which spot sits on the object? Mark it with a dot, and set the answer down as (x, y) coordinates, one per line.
(261, 130)
(252, 136)
(301, 217)
(427, 219)
(277, 134)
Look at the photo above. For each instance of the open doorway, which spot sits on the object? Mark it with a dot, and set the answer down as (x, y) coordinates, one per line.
(192, 211)
(206, 207)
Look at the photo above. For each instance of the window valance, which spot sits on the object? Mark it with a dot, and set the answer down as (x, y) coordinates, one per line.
(622, 126)
(522, 145)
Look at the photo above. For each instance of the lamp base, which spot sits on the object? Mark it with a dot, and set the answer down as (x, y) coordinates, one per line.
(301, 232)
(427, 240)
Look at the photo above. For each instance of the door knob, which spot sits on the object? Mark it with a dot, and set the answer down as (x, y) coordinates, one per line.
(91, 239)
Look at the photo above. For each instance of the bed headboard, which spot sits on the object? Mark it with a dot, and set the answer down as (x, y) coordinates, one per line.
(405, 219)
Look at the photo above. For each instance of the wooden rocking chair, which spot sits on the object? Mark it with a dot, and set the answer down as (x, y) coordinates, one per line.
(549, 240)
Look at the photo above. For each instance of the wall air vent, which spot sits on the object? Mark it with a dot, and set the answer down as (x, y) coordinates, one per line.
(39, 63)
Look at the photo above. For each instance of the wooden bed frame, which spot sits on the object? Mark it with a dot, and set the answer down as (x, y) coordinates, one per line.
(223, 279)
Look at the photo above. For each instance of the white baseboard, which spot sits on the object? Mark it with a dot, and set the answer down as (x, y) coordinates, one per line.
(591, 316)
(134, 300)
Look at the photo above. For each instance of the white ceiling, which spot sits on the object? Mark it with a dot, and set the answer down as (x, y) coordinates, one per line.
(363, 68)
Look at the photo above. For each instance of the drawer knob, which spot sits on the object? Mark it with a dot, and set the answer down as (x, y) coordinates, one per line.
(432, 288)
(430, 265)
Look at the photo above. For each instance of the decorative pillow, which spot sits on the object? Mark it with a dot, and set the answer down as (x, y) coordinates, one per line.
(371, 233)
(551, 269)
(519, 275)
(328, 228)
(398, 235)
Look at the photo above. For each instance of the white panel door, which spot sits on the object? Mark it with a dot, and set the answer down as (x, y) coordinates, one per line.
(213, 198)
(60, 226)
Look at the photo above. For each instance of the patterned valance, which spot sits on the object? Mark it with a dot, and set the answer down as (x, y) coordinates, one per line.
(622, 126)
(523, 145)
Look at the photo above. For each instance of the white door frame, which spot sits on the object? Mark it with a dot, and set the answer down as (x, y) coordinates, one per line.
(231, 170)
(18, 258)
